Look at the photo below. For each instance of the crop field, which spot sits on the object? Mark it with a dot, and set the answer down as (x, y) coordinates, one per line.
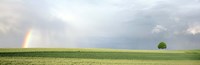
(84, 56)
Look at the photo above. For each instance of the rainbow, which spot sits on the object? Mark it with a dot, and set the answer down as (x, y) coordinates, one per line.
(27, 39)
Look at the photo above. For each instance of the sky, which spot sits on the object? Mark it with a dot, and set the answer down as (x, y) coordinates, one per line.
(116, 24)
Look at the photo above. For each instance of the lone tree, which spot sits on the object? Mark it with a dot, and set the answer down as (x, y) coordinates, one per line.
(162, 45)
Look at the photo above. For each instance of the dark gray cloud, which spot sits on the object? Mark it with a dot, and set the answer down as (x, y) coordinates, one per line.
(123, 24)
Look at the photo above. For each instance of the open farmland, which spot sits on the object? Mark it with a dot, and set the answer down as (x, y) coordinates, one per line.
(79, 56)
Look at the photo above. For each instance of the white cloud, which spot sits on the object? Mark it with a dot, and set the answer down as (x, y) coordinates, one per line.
(158, 29)
(194, 28)
(11, 15)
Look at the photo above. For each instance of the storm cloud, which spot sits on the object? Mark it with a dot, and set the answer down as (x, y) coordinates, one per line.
(120, 24)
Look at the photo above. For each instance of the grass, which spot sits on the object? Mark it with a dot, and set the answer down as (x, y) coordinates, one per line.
(78, 56)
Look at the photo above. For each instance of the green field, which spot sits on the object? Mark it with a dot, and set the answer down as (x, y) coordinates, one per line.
(79, 56)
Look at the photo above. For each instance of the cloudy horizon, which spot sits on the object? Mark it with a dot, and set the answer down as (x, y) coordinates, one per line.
(118, 24)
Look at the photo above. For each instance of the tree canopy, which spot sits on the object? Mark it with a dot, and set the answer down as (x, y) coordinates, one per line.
(162, 45)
